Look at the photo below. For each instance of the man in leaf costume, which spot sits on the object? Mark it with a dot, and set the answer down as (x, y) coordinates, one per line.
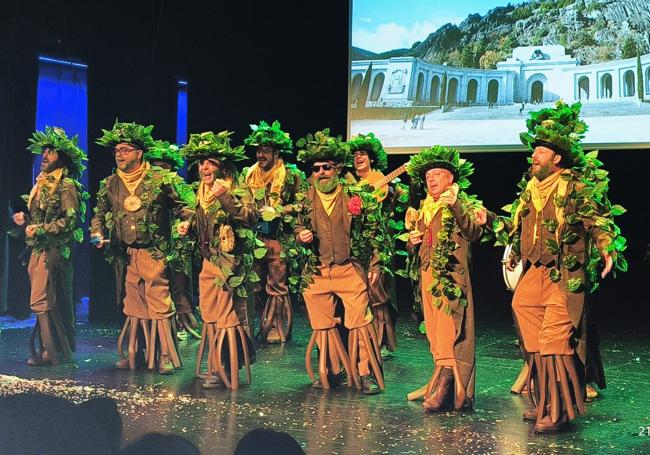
(167, 156)
(224, 217)
(370, 157)
(342, 225)
(440, 234)
(274, 184)
(56, 206)
(135, 209)
(562, 228)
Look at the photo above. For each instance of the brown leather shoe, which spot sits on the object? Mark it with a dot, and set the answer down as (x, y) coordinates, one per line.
(165, 365)
(369, 385)
(335, 380)
(546, 425)
(122, 364)
(530, 415)
(213, 382)
(440, 399)
(39, 360)
(273, 336)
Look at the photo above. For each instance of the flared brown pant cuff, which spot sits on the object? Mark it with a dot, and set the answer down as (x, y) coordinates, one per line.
(213, 340)
(332, 357)
(561, 387)
(51, 338)
(384, 326)
(363, 345)
(277, 313)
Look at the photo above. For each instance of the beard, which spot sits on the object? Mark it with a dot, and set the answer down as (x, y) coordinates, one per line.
(130, 165)
(543, 172)
(51, 166)
(326, 185)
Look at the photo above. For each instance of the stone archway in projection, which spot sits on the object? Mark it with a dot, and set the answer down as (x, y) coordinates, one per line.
(536, 84)
(434, 94)
(452, 91)
(493, 91)
(472, 90)
(377, 85)
(537, 92)
(354, 88)
(583, 88)
(606, 86)
(628, 83)
(419, 92)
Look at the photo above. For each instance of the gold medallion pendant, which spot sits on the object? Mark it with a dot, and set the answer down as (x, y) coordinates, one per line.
(132, 203)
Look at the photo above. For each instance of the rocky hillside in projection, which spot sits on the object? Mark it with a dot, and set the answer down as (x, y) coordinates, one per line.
(592, 30)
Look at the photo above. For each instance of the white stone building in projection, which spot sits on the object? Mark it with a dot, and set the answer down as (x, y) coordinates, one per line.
(532, 74)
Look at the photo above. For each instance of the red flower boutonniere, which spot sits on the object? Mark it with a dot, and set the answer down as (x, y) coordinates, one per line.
(355, 205)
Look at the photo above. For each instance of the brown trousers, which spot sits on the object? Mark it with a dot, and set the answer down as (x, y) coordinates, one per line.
(541, 312)
(441, 330)
(218, 305)
(180, 289)
(350, 286)
(272, 269)
(146, 287)
(51, 288)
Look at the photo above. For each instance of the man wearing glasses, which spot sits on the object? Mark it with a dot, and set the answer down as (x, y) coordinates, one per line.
(332, 226)
(135, 208)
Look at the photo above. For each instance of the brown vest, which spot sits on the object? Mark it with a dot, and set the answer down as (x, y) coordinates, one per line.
(332, 232)
(538, 253)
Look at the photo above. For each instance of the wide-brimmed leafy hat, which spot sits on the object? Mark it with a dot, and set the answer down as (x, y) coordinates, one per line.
(265, 134)
(372, 146)
(130, 133)
(320, 146)
(210, 145)
(439, 157)
(56, 139)
(558, 128)
(167, 152)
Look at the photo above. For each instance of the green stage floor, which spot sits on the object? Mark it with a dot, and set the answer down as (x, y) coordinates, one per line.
(344, 421)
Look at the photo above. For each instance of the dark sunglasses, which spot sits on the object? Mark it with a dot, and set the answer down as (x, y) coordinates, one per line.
(326, 167)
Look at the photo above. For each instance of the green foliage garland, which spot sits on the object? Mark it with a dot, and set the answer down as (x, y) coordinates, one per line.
(55, 138)
(371, 145)
(130, 133)
(272, 135)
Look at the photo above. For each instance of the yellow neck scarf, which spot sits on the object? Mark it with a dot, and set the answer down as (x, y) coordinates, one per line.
(258, 178)
(132, 180)
(206, 197)
(540, 193)
(329, 200)
(429, 208)
(48, 181)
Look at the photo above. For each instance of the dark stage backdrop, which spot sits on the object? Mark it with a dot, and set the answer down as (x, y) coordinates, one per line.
(244, 61)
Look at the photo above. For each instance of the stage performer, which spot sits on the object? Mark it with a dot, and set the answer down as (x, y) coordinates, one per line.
(274, 182)
(562, 228)
(370, 160)
(133, 218)
(56, 207)
(440, 234)
(341, 227)
(166, 156)
(224, 217)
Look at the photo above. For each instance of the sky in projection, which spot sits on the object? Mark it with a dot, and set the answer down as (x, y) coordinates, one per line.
(383, 25)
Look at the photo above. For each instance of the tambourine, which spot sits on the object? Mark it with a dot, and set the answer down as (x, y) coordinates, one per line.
(510, 278)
